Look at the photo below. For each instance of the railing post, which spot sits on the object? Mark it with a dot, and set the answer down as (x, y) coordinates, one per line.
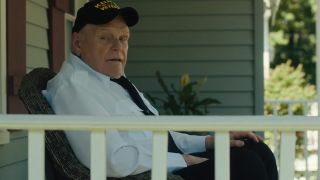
(98, 160)
(222, 156)
(287, 155)
(36, 155)
(275, 133)
(306, 154)
(276, 145)
(290, 110)
(159, 155)
(318, 151)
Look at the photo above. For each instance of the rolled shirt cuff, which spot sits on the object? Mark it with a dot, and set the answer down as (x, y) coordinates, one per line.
(189, 143)
(175, 162)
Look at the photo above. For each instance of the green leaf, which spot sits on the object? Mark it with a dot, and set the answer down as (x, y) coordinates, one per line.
(185, 101)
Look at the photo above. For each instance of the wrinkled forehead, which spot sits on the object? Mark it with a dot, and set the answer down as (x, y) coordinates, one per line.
(102, 29)
(91, 29)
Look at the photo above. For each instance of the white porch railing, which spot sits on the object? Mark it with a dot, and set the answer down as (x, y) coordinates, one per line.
(36, 124)
(310, 138)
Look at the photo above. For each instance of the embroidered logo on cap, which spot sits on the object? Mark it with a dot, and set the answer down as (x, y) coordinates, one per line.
(107, 4)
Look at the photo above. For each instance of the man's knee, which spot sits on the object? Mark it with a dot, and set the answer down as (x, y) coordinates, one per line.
(246, 164)
(262, 150)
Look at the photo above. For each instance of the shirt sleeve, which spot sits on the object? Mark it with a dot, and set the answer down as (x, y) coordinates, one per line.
(186, 143)
(175, 162)
(189, 143)
(124, 158)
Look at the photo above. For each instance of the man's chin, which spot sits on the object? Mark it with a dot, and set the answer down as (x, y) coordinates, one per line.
(114, 75)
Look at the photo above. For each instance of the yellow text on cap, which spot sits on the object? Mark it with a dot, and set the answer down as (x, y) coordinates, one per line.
(104, 5)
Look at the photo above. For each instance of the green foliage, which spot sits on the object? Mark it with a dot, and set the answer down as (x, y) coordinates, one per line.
(288, 83)
(293, 35)
(184, 101)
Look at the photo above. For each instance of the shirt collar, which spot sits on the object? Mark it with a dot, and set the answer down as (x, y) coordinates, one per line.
(81, 65)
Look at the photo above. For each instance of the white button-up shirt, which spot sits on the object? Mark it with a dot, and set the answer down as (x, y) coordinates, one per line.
(79, 90)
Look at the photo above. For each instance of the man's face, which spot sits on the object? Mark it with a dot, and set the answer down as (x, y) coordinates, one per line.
(103, 47)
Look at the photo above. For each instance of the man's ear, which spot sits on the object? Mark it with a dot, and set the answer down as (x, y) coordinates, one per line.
(76, 48)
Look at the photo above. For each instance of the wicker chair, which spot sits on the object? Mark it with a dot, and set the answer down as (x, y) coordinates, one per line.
(61, 162)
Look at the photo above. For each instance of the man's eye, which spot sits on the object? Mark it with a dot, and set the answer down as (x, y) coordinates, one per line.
(124, 39)
(105, 38)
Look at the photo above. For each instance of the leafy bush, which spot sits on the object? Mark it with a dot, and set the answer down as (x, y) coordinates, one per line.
(288, 83)
(293, 35)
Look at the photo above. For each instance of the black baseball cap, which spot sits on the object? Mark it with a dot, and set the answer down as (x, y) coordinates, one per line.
(103, 11)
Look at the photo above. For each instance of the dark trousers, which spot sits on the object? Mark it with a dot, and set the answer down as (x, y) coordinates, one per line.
(254, 161)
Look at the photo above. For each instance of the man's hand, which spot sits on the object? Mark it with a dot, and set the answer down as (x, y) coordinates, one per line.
(236, 139)
(191, 160)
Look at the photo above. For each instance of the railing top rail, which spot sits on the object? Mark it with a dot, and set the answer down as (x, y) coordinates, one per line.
(159, 123)
(290, 101)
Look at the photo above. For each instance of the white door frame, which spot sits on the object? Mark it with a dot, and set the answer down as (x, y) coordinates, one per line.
(3, 58)
(4, 134)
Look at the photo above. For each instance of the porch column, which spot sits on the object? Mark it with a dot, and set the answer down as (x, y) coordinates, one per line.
(16, 53)
(57, 33)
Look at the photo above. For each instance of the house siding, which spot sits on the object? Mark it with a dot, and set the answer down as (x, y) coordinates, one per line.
(13, 163)
(218, 39)
(37, 34)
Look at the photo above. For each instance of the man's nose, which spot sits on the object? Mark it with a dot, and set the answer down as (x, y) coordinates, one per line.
(116, 44)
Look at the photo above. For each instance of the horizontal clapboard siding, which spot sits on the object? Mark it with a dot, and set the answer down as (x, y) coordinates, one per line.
(37, 34)
(227, 99)
(13, 163)
(192, 38)
(236, 84)
(190, 53)
(190, 7)
(212, 38)
(184, 23)
(193, 68)
(40, 3)
(17, 171)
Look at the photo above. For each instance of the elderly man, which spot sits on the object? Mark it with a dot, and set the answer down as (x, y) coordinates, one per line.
(92, 82)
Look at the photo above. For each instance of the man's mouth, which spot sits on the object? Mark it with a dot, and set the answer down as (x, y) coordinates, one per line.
(115, 60)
